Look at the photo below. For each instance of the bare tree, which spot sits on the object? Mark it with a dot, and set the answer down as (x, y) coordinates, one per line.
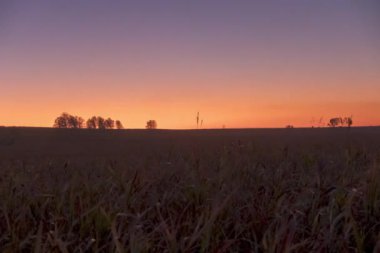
(320, 122)
(151, 124)
(119, 125)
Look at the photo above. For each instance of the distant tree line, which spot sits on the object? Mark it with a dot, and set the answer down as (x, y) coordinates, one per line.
(101, 123)
(66, 120)
(333, 122)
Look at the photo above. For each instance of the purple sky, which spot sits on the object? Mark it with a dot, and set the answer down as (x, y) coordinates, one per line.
(241, 63)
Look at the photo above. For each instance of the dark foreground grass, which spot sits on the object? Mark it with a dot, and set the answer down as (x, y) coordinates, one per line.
(237, 197)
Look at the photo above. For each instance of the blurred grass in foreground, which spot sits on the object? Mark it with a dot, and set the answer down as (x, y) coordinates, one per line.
(235, 197)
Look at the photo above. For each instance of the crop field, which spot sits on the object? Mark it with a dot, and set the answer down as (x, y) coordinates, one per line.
(247, 190)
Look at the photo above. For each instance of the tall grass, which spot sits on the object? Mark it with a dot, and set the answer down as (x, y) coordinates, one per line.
(236, 198)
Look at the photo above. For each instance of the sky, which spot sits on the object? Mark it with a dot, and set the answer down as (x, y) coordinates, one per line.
(239, 63)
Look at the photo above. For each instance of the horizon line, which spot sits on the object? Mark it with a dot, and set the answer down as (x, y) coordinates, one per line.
(195, 129)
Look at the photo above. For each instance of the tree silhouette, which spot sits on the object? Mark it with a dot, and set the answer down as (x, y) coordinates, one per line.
(76, 122)
(341, 121)
(65, 120)
(335, 122)
(348, 121)
(101, 123)
(151, 124)
(119, 125)
(109, 123)
(92, 123)
(81, 123)
(61, 121)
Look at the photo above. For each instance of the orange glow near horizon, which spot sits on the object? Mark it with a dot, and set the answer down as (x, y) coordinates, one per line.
(234, 111)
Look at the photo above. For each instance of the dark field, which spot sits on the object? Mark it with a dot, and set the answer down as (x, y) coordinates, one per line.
(263, 190)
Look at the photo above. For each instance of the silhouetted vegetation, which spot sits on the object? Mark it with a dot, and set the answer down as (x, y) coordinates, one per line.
(119, 125)
(231, 191)
(151, 124)
(335, 122)
(92, 123)
(339, 121)
(109, 123)
(96, 122)
(101, 123)
(68, 121)
(348, 121)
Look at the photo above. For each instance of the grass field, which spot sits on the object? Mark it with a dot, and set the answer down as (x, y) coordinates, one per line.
(262, 190)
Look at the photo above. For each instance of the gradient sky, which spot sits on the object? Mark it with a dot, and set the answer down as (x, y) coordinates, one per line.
(239, 63)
